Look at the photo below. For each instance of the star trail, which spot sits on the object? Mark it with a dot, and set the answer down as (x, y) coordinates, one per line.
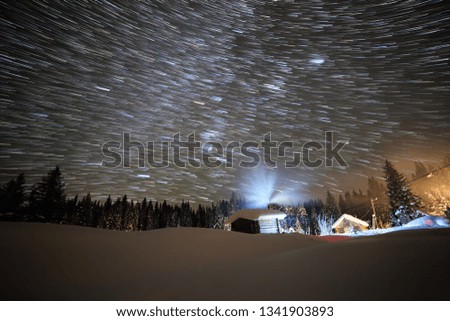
(76, 74)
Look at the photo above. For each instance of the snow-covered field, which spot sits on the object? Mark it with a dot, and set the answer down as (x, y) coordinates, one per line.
(57, 262)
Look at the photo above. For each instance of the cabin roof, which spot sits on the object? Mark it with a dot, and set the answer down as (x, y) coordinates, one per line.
(352, 219)
(255, 214)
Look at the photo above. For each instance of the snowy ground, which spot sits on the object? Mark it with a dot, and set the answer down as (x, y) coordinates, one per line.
(425, 222)
(44, 261)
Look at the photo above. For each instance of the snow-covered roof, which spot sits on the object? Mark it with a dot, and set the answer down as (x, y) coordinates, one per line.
(255, 214)
(350, 218)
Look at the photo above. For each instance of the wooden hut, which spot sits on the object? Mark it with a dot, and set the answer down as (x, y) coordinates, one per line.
(349, 224)
(255, 221)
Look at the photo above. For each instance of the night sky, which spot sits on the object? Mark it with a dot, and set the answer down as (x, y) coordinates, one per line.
(76, 74)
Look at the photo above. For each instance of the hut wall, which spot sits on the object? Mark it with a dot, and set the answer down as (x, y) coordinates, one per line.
(269, 226)
(245, 226)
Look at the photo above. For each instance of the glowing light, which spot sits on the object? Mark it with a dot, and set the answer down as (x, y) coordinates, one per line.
(263, 186)
(317, 61)
(102, 88)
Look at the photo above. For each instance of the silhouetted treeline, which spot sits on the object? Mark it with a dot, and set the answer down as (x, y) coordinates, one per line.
(47, 202)
(123, 214)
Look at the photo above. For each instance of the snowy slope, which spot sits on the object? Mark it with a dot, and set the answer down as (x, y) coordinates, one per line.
(425, 222)
(43, 261)
(428, 221)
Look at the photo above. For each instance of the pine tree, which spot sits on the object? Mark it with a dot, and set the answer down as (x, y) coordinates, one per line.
(97, 212)
(163, 214)
(107, 215)
(195, 219)
(342, 204)
(331, 208)
(123, 212)
(313, 225)
(143, 215)
(12, 195)
(174, 216)
(132, 216)
(47, 198)
(377, 192)
(201, 213)
(185, 214)
(233, 202)
(71, 210)
(223, 211)
(403, 203)
(155, 216)
(85, 211)
(151, 221)
(421, 170)
(117, 214)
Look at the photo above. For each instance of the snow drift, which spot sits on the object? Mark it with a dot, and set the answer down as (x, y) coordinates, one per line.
(54, 262)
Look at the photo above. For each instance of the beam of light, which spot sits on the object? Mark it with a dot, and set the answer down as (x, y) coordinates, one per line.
(262, 186)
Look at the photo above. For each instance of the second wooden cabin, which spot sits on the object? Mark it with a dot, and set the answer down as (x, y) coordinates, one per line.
(349, 224)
